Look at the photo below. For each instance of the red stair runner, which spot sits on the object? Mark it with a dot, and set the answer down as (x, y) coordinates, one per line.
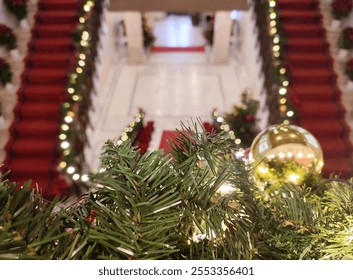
(178, 49)
(313, 83)
(144, 137)
(32, 151)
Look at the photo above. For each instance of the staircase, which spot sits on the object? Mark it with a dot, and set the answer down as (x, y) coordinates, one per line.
(313, 86)
(32, 151)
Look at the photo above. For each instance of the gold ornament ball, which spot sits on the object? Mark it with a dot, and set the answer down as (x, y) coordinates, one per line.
(285, 153)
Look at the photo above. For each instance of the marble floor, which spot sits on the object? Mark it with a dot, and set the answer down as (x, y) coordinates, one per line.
(170, 87)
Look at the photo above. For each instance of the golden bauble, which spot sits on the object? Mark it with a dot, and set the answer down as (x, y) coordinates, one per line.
(285, 153)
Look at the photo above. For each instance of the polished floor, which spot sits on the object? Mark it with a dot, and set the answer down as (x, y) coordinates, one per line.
(170, 87)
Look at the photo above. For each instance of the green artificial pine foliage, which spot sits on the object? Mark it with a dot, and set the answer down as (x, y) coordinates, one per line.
(27, 222)
(199, 202)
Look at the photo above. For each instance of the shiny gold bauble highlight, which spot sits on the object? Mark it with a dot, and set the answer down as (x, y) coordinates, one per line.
(285, 153)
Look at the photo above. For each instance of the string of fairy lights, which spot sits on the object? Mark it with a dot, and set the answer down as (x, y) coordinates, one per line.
(70, 127)
(130, 131)
(282, 77)
(224, 126)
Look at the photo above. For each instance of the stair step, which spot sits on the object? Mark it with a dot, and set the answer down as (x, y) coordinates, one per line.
(342, 167)
(30, 166)
(303, 31)
(47, 77)
(57, 17)
(321, 110)
(331, 128)
(307, 60)
(301, 17)
(54, 31)
(34, 147)
(40, 109)
(51, 45)
(37, 128)
(59, 5)
(307, 45)
(312, 76)
(313, 92)
(40, 60)
(334, 148)
(42, 92)
(297, 4)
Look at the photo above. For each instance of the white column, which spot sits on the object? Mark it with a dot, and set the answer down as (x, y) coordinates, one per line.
(221, 37)
(134, 36)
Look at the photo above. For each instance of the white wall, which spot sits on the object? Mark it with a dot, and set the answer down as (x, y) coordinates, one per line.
(6, 17)
(247, 61)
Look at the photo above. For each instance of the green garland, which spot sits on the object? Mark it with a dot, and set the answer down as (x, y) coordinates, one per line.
(280, 73)
(241, 122)
(5, 72)
(198, 203)
(7, 38)
(72, 136)
(18, 8)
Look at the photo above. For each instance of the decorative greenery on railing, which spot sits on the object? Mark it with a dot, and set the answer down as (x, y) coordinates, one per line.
(349, 69)
(5, 72)
(130, 132)
(240, 124)
(80, 86)
(7, 38)
(341, 8)
(17, 7)
(155, 206)
(345, 41)
(281, 74)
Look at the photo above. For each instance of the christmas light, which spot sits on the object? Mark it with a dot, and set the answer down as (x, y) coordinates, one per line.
(71, 170)
(85, 36)
(276, 48)
(68, 119)
(84, 178)
(62, 136)
(282, 91)
(65, 145)
(65, 127)
(290, 113)
(86, 8)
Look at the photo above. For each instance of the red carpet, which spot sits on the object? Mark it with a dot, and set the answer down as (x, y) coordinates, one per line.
(32, 151)
(313, 83)
(167, 137)
(178, 49)
(144, 136)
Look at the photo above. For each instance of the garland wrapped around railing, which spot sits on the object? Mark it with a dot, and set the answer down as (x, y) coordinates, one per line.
(271, 41)
(280, 72)
(5, 72)
(130, 132)
(80, 87)
(240, 124)
(17, 7)
(7, 37)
